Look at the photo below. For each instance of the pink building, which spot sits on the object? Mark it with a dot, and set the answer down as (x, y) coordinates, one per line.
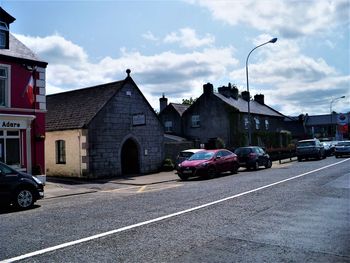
(22, 103)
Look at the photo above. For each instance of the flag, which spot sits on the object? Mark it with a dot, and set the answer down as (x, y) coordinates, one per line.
(30, 90)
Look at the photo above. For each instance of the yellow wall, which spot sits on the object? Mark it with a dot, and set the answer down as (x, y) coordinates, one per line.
(74, 152)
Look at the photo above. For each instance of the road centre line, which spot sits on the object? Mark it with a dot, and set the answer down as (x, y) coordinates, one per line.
(75, 242)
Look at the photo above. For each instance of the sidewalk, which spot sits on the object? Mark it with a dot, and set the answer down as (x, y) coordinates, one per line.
(60, 187)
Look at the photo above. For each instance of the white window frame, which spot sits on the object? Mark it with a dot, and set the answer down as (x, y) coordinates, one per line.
(7, 79)
(267, 124)
(246, 123)
(195, 120)
(257, 123)
(5, 137)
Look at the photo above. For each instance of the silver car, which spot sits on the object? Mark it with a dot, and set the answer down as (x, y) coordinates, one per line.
(342, 148)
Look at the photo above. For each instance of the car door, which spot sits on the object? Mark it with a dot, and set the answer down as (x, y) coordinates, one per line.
(7, 181)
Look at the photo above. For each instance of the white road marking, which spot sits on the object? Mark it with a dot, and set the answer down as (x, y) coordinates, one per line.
(75, 242)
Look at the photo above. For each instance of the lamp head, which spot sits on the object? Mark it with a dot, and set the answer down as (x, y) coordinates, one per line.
(273, 40)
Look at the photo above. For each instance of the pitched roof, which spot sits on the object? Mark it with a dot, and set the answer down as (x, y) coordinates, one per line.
(255, 107)
(75, 109)
(6, 17)
(180, 108)
(18, 50)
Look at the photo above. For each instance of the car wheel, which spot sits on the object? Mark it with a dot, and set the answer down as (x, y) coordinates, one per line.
(300, 159)
(183, 177)
(211, 172)
(235, 168)
(268, 164)
(336, 156)
(256, 165)
(24, 198)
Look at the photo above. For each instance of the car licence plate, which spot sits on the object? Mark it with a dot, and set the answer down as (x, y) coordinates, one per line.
(187, 171)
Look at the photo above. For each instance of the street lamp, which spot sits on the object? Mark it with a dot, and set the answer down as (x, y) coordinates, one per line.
(331, 111)
(246, 71)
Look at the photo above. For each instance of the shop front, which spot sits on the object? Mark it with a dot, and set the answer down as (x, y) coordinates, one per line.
(16, 141)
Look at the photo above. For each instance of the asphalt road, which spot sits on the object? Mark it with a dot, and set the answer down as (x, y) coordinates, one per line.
(298, 212)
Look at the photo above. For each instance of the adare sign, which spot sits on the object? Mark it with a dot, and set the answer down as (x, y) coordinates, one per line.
(18, 124)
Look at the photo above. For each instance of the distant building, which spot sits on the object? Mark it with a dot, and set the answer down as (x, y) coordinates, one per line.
(332, 126)
(102, 131)
(22, 103)
(171, 116)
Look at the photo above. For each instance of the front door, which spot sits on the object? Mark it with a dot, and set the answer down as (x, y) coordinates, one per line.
(130, 158)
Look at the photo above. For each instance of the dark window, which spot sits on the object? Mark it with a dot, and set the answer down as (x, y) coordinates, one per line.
(60, 152)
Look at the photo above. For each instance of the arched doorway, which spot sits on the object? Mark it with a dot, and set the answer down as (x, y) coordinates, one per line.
(130, 157)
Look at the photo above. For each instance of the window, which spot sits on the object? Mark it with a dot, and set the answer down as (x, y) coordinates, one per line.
(195, 121)
(257, 123)
(10, 152)
(2, 40)
(60, 152)
(168, 126)
(267, 124)
(3, 85)
(246, 123)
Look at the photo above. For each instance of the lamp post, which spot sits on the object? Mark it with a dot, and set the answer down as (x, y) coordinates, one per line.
(246, 71)
(331, 111)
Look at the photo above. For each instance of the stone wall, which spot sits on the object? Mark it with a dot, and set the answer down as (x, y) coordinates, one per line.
(114, 124)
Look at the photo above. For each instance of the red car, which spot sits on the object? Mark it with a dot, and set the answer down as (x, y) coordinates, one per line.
(208, 163)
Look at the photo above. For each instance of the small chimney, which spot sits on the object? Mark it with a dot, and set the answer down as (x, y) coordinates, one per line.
(208, 88)
(163, 102)
(226, 91)
(234, 93)
(245, 95)
(259, 98)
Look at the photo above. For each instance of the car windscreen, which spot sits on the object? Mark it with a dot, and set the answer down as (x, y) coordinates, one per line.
(343, 144)
(202, 156)
(308, 143)
(185, 154)
(243, 151)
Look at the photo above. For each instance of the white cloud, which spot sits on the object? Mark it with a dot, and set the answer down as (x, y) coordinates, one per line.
(291, 81)
(287, 18)
(149, 36)
(188, 38)
(177, 75)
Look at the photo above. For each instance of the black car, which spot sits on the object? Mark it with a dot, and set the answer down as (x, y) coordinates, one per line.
(311, 148)
(251, 157)
(17, 188)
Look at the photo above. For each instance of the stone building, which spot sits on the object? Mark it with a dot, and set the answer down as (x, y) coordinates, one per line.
(102, 131)
(223, 117)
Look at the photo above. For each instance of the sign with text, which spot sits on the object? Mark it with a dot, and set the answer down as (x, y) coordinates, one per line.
(13, 124)
(138, 119)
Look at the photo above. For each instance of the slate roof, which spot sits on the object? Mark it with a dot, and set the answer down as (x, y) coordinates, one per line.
(18, 50)
(315, 120)
(180, 108)
(255, 107)
(75, 109)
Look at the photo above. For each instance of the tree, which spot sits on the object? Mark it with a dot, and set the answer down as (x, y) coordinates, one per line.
(189, 101)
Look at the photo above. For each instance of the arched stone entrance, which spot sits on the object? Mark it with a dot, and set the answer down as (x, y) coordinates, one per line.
(130, 157)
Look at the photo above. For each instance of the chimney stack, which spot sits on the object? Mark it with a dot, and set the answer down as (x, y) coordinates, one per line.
(163, 102)
(259, 98)
(245, 95)
(208, 89)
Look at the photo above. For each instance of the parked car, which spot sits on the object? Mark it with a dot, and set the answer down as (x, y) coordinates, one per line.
(208, 163)
(328, 147)
(17, 188)
(342, 148)
(311, 148)
(252, 157)
(185, 154)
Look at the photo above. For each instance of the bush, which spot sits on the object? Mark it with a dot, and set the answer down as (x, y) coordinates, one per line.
(168, 165)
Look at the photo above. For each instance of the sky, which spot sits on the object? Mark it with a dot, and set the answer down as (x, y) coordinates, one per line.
(174, 47)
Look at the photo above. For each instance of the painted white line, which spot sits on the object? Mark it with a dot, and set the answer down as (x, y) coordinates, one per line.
(75, 242)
